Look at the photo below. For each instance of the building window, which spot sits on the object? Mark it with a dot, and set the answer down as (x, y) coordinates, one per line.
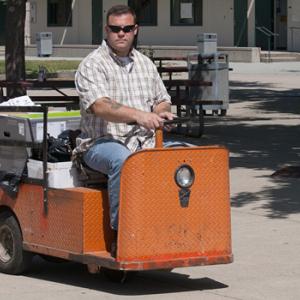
(146, 11)
(59, 12)
(186, 12)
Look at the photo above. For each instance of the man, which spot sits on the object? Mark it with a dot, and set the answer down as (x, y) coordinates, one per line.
(118, 86)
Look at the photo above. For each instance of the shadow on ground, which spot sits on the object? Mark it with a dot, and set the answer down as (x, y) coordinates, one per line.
(270, 100)
(260, 141)
(144, 283)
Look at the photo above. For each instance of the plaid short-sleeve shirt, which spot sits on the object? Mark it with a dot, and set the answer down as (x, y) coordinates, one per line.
(103, 74)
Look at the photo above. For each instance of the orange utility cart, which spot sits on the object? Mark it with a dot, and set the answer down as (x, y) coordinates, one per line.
(174, 212)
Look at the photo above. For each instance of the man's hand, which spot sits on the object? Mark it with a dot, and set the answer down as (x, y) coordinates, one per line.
(166, 115)
(163, 109)
(153, 120)
(150, 121)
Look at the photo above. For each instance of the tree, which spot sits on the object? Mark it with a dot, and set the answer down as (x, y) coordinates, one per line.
(14, 45)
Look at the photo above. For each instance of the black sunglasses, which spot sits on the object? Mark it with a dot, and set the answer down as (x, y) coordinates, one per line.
(117, 29)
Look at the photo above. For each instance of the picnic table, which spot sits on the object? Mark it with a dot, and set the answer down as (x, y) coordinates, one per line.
(172, 70)
(70, 102)
(162, 59)
(179, 90)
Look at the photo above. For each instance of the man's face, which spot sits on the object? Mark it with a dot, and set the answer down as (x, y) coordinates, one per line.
(121, 41)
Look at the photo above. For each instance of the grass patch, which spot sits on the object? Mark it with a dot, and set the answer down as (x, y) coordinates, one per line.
(51, 66)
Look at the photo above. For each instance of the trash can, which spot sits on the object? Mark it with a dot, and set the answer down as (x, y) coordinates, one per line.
(207, 43)
(213, 68)
(44, 43)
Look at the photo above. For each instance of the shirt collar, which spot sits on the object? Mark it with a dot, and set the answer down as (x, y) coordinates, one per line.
(115, 56)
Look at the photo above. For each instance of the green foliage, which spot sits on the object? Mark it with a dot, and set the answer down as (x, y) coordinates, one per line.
(147, 51)
(51, 66)
(2, 67)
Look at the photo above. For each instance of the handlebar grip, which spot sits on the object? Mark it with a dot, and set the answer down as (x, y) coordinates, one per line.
(159, 139)
(159, 131)
(176, 120)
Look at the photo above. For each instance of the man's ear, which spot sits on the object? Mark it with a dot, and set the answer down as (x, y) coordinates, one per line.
(106, 29)
(136, 29)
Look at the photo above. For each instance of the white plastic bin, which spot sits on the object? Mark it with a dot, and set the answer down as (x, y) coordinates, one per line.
(44, 43)
(207, 43)
(60, 175)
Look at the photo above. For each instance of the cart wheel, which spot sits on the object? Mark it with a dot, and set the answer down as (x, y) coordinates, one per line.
(118, 276)
(13, 259)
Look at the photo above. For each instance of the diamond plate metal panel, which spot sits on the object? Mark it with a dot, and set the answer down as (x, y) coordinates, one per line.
(74, 223)
(153, 225)
(97, 231)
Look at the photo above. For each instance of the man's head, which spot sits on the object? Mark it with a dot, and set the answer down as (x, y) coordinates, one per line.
(121, 28)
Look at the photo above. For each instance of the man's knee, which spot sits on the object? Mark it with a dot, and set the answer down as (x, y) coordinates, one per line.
(119, 158)
(106, 157)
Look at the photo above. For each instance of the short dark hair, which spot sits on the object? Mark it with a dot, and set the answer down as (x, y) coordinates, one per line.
(120, 9)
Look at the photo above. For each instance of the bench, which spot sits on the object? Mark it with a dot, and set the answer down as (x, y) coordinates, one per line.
(162, 59)
(172, 70)
(187, 106)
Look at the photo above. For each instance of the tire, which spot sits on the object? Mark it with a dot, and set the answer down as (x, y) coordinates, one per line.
(13, 259)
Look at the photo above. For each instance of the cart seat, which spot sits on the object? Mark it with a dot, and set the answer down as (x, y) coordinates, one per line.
(88, 176)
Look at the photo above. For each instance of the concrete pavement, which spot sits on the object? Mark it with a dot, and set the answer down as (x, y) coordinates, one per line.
(261, 130)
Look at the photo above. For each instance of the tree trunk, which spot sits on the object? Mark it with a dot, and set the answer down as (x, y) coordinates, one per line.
(14, 45)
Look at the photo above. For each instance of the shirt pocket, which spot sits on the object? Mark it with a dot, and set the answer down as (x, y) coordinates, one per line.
(144, 94)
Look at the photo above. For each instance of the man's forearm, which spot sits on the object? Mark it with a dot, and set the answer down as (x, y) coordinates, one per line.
(162, 107)
(112, 111)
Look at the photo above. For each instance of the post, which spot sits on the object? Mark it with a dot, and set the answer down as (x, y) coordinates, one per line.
(159, 138)
(45, 158)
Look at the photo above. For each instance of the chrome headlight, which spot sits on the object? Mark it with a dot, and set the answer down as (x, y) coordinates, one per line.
(184, 176)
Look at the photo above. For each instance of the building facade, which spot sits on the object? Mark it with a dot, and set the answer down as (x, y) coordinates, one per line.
(274, 23)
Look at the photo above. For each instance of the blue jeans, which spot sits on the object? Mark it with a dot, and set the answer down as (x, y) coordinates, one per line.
(107, 156)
